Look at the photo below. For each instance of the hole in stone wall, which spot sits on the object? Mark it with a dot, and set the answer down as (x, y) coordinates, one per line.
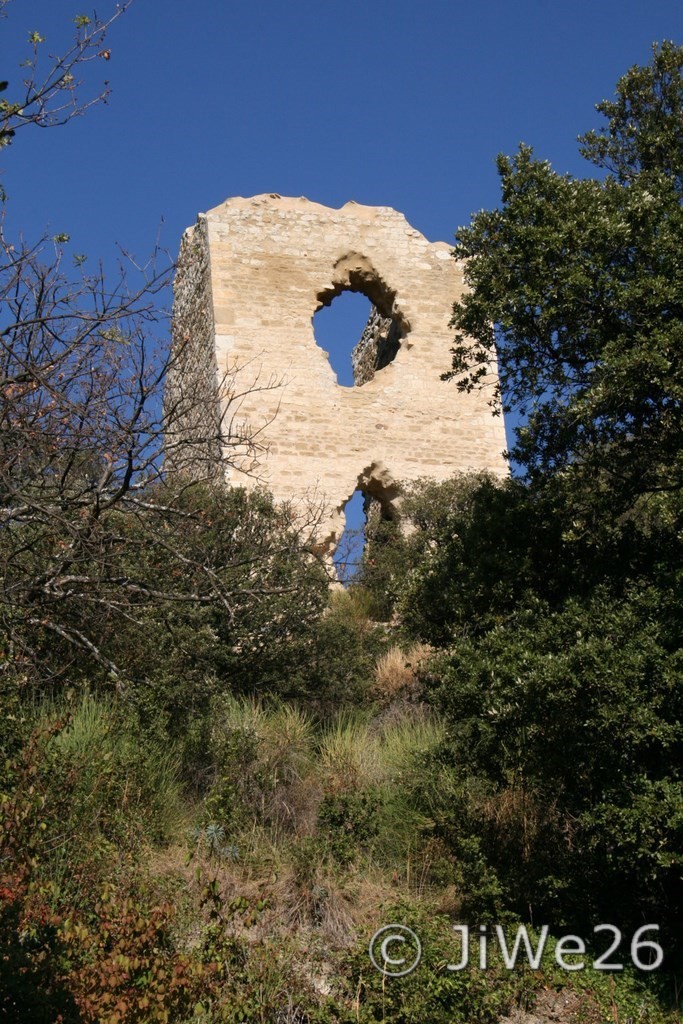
(338, 328)
(358, 340)
(349, 552)
(367, 509)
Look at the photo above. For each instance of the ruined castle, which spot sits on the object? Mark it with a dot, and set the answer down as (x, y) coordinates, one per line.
(249, 377)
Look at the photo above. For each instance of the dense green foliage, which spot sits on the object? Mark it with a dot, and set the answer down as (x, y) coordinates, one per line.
(567, 743)
(577, 284)
(559, 675)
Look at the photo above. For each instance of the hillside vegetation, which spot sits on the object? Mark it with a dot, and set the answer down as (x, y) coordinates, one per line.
(221, 777)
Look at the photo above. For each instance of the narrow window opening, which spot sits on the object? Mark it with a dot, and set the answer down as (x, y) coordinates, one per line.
(349, 552)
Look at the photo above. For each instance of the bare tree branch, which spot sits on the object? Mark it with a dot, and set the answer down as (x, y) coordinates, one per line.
(51, 96)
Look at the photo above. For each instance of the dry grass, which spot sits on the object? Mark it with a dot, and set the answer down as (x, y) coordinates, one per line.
(521, 816)
(349, 760)
(396, 673)
(312, 897)
(281, 856)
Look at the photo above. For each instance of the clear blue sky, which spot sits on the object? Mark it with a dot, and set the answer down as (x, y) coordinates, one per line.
(397, 103)
(393, 103)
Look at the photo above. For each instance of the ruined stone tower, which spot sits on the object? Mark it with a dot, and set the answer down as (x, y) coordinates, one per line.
(251, 275)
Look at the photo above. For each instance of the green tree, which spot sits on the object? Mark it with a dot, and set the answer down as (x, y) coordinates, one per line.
(577, 285)
(561, 685)
(566, 744)
(645, 121)
(477, 548)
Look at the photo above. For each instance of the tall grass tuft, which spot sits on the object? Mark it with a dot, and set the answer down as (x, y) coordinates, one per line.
(349, 759)
(261, 758)
(108, 793)
(396, 673)
(349, 795)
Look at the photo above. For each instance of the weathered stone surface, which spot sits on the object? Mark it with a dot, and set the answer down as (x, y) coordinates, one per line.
(191, 409)
(271, 262)
(378, 346)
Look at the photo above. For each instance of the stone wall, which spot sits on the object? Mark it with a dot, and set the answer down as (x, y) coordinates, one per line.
(272, 262)
(191, 406)
(378, 346)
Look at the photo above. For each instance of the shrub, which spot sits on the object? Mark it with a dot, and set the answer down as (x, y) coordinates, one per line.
(431, 992)
(125, 969)
(345, 646)
(396, 673)
(91, 797)
(348, 821)
(565, 742)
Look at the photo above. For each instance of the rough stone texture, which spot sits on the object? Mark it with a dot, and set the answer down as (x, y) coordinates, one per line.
(272, 263)
(191, 412)
(378, 345)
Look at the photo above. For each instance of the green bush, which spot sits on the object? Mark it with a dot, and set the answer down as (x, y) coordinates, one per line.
(348, 822)
(94, 794)
(344, 648)
(566, 746)
(431, 992)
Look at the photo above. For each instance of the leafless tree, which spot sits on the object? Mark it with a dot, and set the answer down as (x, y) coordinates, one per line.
(83, 363)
